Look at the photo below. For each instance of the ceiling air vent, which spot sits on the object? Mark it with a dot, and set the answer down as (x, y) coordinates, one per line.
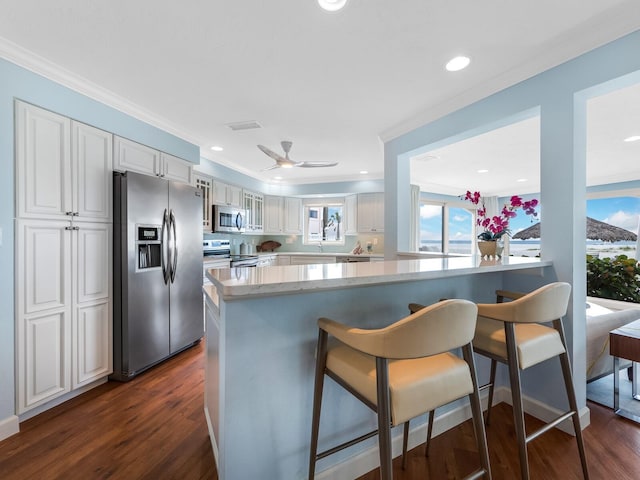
(248, 125)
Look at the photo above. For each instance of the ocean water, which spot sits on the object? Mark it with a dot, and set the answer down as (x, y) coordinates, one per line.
(531, 248)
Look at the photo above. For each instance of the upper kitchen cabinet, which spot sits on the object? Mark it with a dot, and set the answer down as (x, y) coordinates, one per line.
(205, 184)
(282, 215)
(135, 157)
(225, 194)
(370, 212)
(254, 206)
(351, 215)
(293, 215)
(63, 167)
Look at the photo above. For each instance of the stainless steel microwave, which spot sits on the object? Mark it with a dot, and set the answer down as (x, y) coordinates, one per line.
(228, 219)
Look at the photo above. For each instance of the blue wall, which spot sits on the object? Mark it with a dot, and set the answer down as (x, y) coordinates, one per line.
(18, 83)
(559, 96)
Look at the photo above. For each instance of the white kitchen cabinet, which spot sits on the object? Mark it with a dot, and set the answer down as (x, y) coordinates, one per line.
(205, 184)
(351, 214)
(273, 214)
(225, 194)
(63, 167)
(133, 156)
(174, 168)
(63, 318)
(370, 212)
(311, 259)
(283, 260)
(267, 260)
(292, 215)
(254, 206)
(282, 215)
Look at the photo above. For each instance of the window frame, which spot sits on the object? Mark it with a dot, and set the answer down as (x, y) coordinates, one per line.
(446, 208)
(327, 203)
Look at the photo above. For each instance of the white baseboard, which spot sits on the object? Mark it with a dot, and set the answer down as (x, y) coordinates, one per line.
(9, 426)
(212, 437)
(368, 460)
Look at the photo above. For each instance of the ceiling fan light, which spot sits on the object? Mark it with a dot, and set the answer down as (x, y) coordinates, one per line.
(332, 5)
(287, 165)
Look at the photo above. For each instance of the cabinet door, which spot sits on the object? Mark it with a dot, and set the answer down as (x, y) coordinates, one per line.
(91, 333)
(92, 343)
(43, 316)
(174, 168)
(272, 214)
(205, 184)
(293, 215)
(351, 215)
(92, 162)
(133, 156)
(371, 212)
(43, 163)
(258, 213)
(234, 196)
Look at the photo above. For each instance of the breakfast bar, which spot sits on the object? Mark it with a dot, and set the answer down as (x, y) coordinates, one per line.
(261, 334)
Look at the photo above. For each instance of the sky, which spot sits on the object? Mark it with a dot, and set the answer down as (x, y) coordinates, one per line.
(620, 211)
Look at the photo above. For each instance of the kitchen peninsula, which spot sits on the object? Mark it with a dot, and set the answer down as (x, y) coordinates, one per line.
(261, 337)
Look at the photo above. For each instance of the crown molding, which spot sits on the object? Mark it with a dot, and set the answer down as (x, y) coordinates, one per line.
(41, 66)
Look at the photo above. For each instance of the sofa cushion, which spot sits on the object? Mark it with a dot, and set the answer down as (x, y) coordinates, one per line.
(599, 362)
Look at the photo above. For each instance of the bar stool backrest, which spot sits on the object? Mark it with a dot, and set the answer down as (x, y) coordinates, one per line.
(545, 304)
(435, 329)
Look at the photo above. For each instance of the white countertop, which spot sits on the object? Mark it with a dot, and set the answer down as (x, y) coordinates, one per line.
(324, 254)
(277, 280)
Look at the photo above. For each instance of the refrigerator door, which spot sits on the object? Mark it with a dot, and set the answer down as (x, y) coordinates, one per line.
(145, 296)
(187, 316)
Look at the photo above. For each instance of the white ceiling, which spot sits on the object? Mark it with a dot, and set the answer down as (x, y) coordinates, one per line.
(336, 84)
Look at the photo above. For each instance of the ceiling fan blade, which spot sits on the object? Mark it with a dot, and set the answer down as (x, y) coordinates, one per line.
(315, 164)
(272, 154)
(274, 166)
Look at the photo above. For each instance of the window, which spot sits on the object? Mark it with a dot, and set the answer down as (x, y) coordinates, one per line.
(324, 223)
(446, 227)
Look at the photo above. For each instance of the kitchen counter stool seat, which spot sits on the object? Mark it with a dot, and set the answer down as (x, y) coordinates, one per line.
(400, 372)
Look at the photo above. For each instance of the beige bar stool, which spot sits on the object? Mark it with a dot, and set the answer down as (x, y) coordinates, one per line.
(512, 333)
(400, 372)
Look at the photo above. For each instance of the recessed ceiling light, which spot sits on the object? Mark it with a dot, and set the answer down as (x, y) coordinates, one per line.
(521, 180)
(332, 5)
(363, 172)
(483, 170)
(217, 148)
(277, 178)
(633, 138)
(457, 63)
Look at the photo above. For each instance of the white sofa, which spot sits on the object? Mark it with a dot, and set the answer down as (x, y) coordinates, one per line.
(603, 316)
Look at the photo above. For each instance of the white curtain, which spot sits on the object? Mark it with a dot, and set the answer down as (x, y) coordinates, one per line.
(414, 224)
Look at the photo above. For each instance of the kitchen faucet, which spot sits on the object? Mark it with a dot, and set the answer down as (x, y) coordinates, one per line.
(320, 246)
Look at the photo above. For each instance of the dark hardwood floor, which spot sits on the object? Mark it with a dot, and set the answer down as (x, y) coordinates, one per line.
(154, 428)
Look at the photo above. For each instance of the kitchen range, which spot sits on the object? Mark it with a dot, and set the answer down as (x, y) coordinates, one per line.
(221, 249)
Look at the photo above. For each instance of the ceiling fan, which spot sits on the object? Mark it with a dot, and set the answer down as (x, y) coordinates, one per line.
(286, 162)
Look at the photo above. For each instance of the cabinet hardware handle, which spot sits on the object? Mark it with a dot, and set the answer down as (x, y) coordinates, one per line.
(68, 228)
(69, 213)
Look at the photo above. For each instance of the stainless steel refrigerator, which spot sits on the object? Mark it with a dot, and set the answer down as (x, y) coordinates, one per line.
(157, 271)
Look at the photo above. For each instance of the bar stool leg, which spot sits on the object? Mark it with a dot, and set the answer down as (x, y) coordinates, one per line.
(571, 396)
(321, 361)
(405, 439)
(516, 395)
(384, 418)
(492, 383)
(431, 414)
(476, 413)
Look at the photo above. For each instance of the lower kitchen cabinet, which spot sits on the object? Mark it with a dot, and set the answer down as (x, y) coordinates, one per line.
(311, 259)
(63, 317)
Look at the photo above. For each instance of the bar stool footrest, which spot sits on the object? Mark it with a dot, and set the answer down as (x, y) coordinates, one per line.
(549, 426)
(344, 445)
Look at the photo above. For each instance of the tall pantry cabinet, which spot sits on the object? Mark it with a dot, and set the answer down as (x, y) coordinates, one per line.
(63, 255)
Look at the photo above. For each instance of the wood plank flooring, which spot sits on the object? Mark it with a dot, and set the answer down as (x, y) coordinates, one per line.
(154, 428)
